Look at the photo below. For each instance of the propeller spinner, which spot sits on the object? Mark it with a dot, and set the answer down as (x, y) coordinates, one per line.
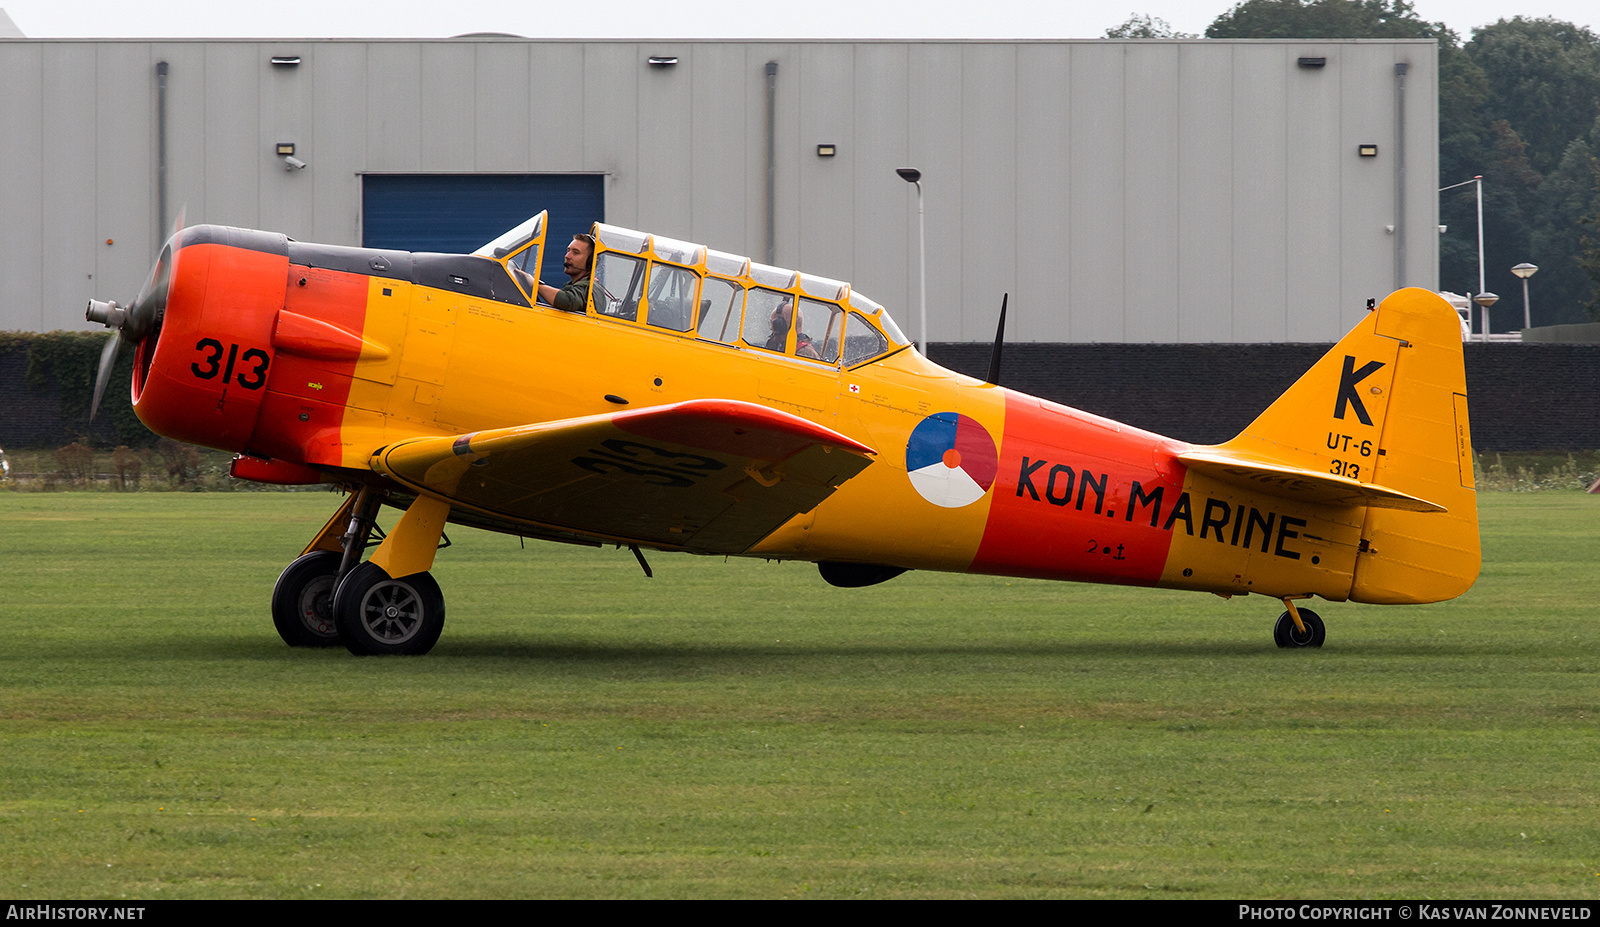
(132, 323)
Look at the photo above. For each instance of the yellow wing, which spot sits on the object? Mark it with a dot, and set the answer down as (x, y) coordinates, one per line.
(708, 476)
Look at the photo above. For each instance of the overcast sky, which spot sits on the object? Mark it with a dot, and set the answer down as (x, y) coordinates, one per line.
(866, 19)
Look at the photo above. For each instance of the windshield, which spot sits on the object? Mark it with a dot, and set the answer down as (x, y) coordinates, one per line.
(515, 240)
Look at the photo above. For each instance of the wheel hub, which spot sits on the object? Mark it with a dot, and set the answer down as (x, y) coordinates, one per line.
(392, 612)
(316, 606)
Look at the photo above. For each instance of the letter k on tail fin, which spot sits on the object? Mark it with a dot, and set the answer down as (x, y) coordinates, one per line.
(1380, 423)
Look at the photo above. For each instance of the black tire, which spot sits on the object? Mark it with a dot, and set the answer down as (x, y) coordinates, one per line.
(377, 615)
(302, 600)
(1287, 636)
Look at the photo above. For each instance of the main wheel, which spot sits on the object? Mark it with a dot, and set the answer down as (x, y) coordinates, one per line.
(378, 615)
(1287, 635)
(302, 601)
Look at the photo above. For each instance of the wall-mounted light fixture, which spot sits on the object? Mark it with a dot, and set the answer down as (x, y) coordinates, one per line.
(285, 61)
(1311, 62)
(827, 151)
(1367, 151)
(662, 61)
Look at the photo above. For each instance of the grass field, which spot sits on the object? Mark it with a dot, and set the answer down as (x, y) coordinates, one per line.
(741, 729)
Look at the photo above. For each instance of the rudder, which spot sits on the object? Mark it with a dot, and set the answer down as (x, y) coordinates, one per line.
(1415, 557)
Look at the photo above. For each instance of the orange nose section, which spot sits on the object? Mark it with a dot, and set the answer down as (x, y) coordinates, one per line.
(203, 375)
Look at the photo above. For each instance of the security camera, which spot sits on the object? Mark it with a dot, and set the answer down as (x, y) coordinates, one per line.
(292, 163)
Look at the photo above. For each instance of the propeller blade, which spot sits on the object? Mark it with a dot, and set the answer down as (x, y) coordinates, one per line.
(133, 323)
(108, 361)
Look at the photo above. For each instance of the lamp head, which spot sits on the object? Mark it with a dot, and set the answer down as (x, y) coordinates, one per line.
(909, 174)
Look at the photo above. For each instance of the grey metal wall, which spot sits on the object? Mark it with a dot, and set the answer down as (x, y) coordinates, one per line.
(1157, 191)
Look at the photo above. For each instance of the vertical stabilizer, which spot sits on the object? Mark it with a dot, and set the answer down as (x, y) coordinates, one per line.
(1388, 406)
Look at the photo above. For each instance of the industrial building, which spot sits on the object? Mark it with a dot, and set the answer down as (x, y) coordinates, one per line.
(1120, 191)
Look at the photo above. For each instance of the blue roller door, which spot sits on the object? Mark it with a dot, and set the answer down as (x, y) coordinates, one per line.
(457, 213)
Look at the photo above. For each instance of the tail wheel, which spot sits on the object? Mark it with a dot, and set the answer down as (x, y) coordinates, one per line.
(378, 615)
(1287, 635)
(302, 601)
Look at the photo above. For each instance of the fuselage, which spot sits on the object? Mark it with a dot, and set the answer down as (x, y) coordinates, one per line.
(309, 358)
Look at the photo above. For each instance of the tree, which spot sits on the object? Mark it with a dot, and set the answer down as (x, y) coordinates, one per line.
(1542, 80)
(1588, 256)
(1146, 27)
(1543, 77)
(1568, 259)
(1510, 197)
(1462, 91)
(1325, 19)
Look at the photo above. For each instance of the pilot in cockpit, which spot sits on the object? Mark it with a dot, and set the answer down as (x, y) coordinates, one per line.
(578, 264)
(781, 320)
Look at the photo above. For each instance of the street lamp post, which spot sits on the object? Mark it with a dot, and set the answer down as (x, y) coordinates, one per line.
(1485, 300)
(1478, 180)
(1525, 270)
(914, 177)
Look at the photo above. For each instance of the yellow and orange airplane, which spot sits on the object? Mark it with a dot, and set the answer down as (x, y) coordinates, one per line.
(701, 402)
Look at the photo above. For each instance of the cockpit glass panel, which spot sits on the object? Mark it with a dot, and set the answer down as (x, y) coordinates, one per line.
(821, 287)
(820, 325)
(864, 303)
(511, 241)
(768, 316)
(721, 301)
(678, 252)
(772, 276)
(672, 297)
(896, 338)
(728, 265)
(862, 342)
(519, 249)
(875, 312)
(617, 285)
(620, 239)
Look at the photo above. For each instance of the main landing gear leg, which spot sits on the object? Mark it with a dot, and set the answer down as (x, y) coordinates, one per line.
(391, 604)
(302, 600)
(1298, 627)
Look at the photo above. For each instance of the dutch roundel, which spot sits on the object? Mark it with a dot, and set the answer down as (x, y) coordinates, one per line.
(951, 460)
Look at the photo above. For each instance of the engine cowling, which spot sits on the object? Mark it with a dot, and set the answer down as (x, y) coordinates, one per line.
(202, 374)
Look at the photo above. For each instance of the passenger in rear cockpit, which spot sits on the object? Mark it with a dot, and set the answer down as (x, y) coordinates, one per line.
(782, 320)
(579, 263)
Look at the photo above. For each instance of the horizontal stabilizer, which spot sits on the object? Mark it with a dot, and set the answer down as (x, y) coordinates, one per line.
(1299, 484)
